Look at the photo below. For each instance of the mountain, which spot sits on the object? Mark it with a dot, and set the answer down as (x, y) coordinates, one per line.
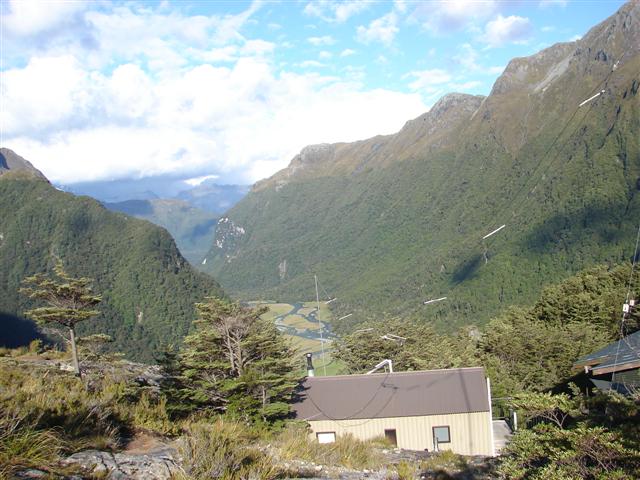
(206, 195)
(148, 287)
(389, 222)
(188, 212)
(192, 228)
(10, 161)
(214, 198)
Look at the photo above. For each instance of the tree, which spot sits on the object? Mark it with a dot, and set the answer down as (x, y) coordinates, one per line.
(410, 345)
(237, 363)
(69, 301)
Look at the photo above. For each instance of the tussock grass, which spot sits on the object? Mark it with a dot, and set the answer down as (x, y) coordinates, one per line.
(347, 451)
(444, 461)
(22, 446)
(48, 399)
(225, 450)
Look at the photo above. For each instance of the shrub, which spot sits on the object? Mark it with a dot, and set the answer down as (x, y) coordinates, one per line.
(583, 452)
(35, 346)
(151, 413)
(406, 470)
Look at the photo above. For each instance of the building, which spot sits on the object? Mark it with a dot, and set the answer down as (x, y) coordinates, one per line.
(424, 410)
(616, 366)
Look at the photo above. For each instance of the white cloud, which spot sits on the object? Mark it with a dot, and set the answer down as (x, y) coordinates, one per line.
(547, 3)
(347, 52)
(119, 33)
(241, 122)
(426, 79)
(321, 41)
(311, 64)
(383, 30)
(400, 6)
(503, 30)
(325, 55)
(31, 17)
(447, 16)
(463, 86)
(194, 182)
(44, 93)
(136, 91)
(335, 11)
(575, 38)
(469, 59)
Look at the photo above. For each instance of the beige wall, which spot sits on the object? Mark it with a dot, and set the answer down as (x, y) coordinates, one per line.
(470, 432)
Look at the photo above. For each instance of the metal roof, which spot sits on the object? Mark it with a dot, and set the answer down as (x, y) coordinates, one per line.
(402, 394)
(620, 355)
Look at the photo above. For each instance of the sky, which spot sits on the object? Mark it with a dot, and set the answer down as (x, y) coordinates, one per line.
(95, 91)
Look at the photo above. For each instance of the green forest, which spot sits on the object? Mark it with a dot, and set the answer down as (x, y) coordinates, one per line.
(386, 236)
(148, 288)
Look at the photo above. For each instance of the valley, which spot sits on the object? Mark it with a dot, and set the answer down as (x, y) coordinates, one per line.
(479, 250)
(306, 330)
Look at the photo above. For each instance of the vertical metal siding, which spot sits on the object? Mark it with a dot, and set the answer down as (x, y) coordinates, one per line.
(470, 432)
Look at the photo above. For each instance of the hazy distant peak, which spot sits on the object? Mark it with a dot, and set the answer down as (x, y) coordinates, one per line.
(11, 161)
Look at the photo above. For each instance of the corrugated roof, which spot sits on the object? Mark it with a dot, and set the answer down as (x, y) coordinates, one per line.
(615, 356)
(403, 394)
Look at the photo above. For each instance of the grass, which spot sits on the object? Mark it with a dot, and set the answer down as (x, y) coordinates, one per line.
(295, 443)
(299, 322)
(276, 309)
(22, 446)
(225, 450)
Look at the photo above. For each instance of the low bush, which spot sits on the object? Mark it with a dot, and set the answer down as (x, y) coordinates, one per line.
(548, 452)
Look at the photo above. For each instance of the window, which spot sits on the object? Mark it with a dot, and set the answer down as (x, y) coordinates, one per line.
(391, 436)
(326, 437)
(441, 435)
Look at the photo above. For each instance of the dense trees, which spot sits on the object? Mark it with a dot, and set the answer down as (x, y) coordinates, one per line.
(411, 346)
(523, 349)
(148, 288)
(69, 301)
(234, 362)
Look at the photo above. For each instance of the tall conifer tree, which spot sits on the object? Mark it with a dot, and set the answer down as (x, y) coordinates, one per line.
(69, 301)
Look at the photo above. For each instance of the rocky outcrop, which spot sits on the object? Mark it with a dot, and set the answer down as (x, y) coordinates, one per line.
(157, 465)
(11, 161)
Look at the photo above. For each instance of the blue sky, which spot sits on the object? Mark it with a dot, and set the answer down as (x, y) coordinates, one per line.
(106, 90)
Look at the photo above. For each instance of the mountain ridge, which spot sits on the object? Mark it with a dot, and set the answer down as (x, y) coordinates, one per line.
(148, 288)
(387, 227)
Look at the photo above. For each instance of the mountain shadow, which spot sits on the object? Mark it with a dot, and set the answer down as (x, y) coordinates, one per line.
(16, 331)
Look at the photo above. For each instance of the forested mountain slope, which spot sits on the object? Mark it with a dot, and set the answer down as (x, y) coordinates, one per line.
(391, 221)
(191, 227)
(148, 288)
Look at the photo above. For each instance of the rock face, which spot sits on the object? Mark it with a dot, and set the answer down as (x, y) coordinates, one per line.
(11, 161)
(157, 465)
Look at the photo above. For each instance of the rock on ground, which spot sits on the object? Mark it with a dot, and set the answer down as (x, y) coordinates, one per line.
(159, 465)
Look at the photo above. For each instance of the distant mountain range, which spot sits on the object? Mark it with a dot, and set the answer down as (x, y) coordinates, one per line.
(148, 288)
(390, 222)
(189, 213)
